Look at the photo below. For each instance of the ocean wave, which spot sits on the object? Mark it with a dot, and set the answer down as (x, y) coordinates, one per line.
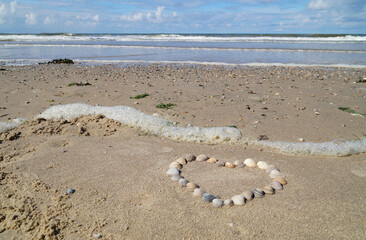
(185, 38)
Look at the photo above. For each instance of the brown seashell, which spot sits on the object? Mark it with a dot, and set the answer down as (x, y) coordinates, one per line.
(281, 180)
(212, 160)
(176, 165)
(229, 165)
(192, 186)
(201, 158)
(190, 157)
(181, 161)
(268, 190)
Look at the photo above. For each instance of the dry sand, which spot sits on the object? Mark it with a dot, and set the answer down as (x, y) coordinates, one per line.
(118, 173)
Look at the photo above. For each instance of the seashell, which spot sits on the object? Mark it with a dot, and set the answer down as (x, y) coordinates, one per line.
(181, 160)
(238, 163)
(176, 165)
(258, 192)
(190, 157)
(238, 200)
(250, 162)
(229, 165)
(183, 182)
(201, 158)
(70, 191)
(192, 186)
(197, 192)
(176, 177)
(275, 173)
(217, 202)
(173, 171)
(268, 190)
(270, 168)
(208, 197)
(220, 163)
(281, 180)
(262, 165)
(228, 202)
(248, 195)
(276, 185)
(211, 160)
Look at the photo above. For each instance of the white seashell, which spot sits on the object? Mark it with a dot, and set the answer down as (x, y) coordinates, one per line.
(270, 168)
(228, 202)
(262, 165)
(238, 200)
(248, 195)
(176, 177)
(183, 182)
(268, 190)
(192, 186)
(197, 192)
(201, 158)
(181, 161)
(250, 162)
(176, 165)
(275, 173)
(238, 163)
(173, 171)
(190, 157)
(220, 163)
(217, 202)
(276, 185)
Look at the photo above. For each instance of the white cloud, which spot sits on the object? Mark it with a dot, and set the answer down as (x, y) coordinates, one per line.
(155, 16)
(318, 4)
(96, 18)
(13, 6)
(2, 13)
(30, 19)
(49, 20)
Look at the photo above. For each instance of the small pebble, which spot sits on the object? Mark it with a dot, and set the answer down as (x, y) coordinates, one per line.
(262, 165)
(258, 192)
(276, 185)
(190, 157)
(229, 165)
(176, 165)
(220, 163)
(250, 162)
(268, 190)
(211, 160)
(238, 163)
(208, 197)
(192, 186)
(217, 202)
(181, 161)
(183, 182)
(173, 171)
(281, 180)
(228, 202)
(197, 192)
(97, 235)
(248, 195)
(275, 173)
(238, 200)
(201, 158)
(70, 191)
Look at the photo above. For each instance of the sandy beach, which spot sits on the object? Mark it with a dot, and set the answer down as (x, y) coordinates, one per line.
(118, 172)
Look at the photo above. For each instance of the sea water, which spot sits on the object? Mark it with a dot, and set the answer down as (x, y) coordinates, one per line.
(222, 49)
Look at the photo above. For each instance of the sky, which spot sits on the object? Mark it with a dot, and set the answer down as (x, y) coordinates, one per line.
(183, 16)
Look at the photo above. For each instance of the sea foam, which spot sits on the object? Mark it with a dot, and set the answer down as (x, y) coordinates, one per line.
(157, 126)
(134, 118)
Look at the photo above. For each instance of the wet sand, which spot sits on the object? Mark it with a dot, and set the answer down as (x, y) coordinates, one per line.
(118, 172)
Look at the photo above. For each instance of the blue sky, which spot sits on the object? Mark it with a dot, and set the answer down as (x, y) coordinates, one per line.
(177, 16)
